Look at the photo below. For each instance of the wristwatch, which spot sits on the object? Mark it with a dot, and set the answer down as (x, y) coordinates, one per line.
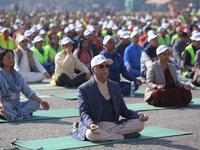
(137, 117)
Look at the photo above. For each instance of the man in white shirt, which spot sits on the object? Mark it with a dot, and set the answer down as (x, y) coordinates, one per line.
(26, 62)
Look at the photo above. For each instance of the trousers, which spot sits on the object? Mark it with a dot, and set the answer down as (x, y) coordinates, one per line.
(112, 131)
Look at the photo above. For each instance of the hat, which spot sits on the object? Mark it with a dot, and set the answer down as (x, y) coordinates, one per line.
(124, 35)
(87, 32)
(21, 38)
(72, 26)
(39, 26)
(196, 37)
(100, 22)
(17, 20)
(4, 29)
(106, 39)
(66, 40)
(77, 29)
(151, 32)
(161, 29)
(91, 28)
(33, 30)
(42, 32)
(161, 49)
(67, 29)
(115, 27)
(109, 26)
(152, 36)
(194, 32)
(137, 29)
(64, 23)
(15, 26)
(119, 32)
(37, 39)
(1, 28)
(100, 59)
(52, 25)
(134, 33)
(27, 33)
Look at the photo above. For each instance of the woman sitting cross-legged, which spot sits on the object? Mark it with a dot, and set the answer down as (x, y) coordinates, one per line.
(66, 63)
(163, 87)
(11, 84)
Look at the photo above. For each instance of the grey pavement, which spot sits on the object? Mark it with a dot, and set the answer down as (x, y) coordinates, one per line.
(184, 119)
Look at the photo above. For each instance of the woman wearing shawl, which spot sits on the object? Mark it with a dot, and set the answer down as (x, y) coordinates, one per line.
(11, 84)
(163, 87)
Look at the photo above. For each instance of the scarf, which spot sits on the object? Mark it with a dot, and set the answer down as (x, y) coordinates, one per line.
(14, 82)
(150, 50)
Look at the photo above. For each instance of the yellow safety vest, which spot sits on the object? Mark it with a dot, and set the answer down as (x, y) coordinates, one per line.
(40, 57)
(51, 50)
(192, 54)
(161, 41)
(10, 44)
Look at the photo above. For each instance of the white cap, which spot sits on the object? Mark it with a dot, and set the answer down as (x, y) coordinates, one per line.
(100, 59)
(199, 26)
(72, 26)
(151, 32)
(64, 23)
(15, 26)
(100, 22)
(109, 26)
(91, 28)
(196, 37)
(1, 28)
(21, 38)
(194, 32)
(41, 19)
(42, 32)
(33, 30)
(39, 26)
(161, 49)
(87, 32)
(66, 40)
(124, 35)
(77, 29)
(119, 32)
(27, 33)
(152, 36)
(148, 23)
(195, 18)
(106, 39)
(37, 39)
(115, 27)
(161, 29)
(67, 29)
(4, 29)
(17, 20)
(51, 25)
(164, 25)
(137, 29)
(134, 33)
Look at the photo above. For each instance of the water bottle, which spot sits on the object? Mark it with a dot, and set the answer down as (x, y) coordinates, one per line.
(36, 91)
(132, 89)
(179, 74)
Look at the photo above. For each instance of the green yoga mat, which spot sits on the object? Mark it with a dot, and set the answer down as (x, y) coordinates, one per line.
(146, 106)
(68, 142)
(46, 88)
(43, 88)
(51, 114)
(74, 96)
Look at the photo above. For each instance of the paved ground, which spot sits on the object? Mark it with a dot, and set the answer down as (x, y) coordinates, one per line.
(184, 119)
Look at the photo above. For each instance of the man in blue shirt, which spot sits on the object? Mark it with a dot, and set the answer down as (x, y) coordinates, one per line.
(132, 55)
(118, 67)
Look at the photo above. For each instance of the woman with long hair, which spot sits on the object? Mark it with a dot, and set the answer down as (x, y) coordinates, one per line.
(11, 84)
(83, 52)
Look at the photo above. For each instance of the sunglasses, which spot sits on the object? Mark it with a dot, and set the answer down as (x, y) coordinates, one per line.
(24, 41)
(102, 66)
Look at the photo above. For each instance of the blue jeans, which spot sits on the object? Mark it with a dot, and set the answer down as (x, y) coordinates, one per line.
(50, 67)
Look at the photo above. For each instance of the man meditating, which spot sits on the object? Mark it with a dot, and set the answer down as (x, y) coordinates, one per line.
(100, 105)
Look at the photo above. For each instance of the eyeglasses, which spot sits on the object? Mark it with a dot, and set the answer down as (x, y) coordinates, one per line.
(102, 66)
(24, 41)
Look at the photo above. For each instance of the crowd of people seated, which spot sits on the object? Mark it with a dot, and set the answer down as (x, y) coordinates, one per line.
(147, 47)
